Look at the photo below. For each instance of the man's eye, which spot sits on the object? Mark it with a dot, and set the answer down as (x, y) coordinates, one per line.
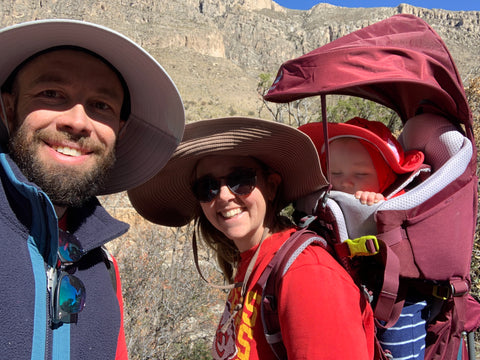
(49, 93)
(101, 105)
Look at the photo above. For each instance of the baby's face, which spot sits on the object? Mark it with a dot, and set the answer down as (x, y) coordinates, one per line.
(351, 167)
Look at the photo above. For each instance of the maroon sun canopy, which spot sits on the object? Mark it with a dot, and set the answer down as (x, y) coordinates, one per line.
(400, 62)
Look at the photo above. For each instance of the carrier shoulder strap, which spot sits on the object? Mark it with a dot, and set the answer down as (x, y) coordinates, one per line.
(270, 280)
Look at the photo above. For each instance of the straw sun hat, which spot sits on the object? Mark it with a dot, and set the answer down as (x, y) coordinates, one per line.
(156, 122)
(167, 198)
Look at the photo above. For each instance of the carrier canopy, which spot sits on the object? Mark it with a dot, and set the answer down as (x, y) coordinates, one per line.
(400, 62)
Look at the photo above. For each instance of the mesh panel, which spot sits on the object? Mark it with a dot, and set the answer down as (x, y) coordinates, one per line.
(439, 179)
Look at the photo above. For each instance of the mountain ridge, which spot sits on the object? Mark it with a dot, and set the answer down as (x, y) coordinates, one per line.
(215, 50)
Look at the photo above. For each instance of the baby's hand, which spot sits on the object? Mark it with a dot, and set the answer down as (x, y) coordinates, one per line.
(368, 197)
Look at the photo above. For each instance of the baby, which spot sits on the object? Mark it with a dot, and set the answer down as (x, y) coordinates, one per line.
(365, 157)
(366, 160)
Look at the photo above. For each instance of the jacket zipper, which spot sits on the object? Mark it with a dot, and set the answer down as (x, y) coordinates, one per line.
(49, 273)
(49, 333)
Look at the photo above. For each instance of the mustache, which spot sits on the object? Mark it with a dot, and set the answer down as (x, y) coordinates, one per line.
(59, 137)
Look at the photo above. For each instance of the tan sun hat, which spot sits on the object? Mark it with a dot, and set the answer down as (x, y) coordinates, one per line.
(167, 198)
(156, 122)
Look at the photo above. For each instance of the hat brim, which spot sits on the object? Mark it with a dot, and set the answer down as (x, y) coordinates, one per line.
(167, 198)
(411, 161)
(157, 118)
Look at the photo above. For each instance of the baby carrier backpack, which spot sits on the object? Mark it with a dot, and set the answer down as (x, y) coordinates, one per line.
(420, 241)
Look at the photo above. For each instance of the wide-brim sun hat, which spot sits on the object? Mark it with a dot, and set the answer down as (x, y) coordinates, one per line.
(373, 132)
(167, 199)
(157, 119)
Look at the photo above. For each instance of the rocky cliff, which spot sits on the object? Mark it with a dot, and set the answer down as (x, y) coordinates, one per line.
(215, 50)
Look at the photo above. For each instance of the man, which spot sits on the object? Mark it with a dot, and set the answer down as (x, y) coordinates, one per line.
(85, 112)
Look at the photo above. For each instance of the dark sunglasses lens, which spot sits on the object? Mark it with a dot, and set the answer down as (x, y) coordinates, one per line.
(71, 295)
(69, 248)
(242, 181)
(206, 188)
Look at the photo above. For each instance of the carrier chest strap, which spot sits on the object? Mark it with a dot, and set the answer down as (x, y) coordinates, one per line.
(270, 280)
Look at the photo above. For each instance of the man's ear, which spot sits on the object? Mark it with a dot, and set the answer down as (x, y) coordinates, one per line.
(273, 182)
(121, 129)
(8, 110)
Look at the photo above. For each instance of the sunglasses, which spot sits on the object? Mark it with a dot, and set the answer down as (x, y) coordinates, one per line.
(240, 181)
(68, 291)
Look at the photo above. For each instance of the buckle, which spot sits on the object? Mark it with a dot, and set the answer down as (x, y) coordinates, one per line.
(306, 220)
(363, 246)
(441, 292)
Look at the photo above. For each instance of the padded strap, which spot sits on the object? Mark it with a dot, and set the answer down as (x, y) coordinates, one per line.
(270, 280)
(387, 308)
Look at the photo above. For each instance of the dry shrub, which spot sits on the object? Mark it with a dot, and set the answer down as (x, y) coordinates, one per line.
(473, 95)
(170, 313)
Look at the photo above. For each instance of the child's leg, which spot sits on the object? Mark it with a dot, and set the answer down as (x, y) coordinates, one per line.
(406, 339)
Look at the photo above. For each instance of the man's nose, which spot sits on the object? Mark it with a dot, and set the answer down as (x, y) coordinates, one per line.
(76, 121)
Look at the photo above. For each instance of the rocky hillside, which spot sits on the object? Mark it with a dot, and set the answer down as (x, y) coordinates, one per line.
(215, 49)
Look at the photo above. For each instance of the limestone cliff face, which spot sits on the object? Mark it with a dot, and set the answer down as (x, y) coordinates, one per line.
(215, 49)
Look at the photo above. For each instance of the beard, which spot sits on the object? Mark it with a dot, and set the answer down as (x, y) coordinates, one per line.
(66, 186)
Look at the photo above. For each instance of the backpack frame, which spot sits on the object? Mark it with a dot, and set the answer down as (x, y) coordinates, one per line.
(403, 64)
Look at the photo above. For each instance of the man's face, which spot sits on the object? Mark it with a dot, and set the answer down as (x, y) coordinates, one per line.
(64, 116)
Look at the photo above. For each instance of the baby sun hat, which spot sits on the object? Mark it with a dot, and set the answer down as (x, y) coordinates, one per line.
(387, 154)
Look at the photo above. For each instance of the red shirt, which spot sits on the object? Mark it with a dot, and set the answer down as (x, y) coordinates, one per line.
(322, 313)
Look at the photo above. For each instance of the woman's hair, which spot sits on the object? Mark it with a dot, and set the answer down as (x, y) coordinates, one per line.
(228, 256)
(227, 253)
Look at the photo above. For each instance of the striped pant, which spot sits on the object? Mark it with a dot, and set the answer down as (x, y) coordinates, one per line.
(406, 339)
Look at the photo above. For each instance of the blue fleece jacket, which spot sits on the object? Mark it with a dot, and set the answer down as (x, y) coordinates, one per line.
(28, 244)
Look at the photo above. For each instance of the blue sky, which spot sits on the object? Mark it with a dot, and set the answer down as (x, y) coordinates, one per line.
(455, 5)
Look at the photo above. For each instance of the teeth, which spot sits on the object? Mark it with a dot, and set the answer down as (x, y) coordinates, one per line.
(231, 213)
(67, 151)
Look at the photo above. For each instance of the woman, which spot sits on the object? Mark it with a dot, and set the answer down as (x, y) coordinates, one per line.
(233, 176)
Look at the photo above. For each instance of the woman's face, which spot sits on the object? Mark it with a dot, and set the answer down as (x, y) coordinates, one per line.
(241, 218)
